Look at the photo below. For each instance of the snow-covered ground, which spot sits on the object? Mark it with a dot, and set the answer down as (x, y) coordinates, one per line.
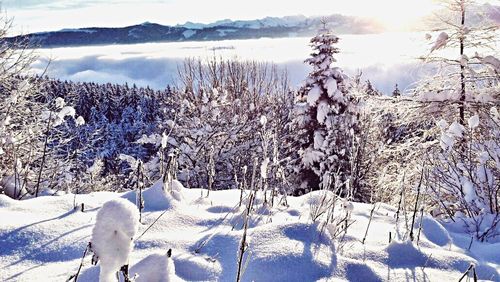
(385, 59)
(43, 239)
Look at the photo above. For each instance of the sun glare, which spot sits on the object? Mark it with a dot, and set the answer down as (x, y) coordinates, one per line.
(397, 14)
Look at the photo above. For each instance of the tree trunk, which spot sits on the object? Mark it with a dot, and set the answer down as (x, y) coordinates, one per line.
(462, 67)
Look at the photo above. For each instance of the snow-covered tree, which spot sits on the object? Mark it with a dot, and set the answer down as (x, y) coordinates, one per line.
(396, 92)
(325, 118)
(465, 56)
(462, 153)
(21, 122)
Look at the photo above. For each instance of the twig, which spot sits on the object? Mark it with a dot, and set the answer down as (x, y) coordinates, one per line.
(369, 222)
(416, 204)
(74, 277)
(151, 225)
(243, 245)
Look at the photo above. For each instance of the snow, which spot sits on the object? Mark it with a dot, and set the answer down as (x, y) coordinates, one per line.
(154, 268)
(264, 168)
(12, 187)
(473, 121)
(456, 129)
(492, 61)
(313, 95)
(288, 21)
(188, 33)
(44, 238)
(323, 111)
(223, 32)
(60, 102)
(469, 191)
(441, 41)
(311, 156)
(331, 86)
(446, 141)
(451, 133)
(443, 124)
(435, 232)
(83, 30)
(319, 140)
(116, 225)
(263, 120)
(156, 198)
(80, 121)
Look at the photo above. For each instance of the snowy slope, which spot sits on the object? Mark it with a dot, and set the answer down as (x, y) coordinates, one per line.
(43, 239)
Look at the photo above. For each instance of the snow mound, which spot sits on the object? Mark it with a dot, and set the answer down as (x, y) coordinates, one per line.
(156, 198)
(435, 232)
(291, 246)
(45, 237)
(487, 272)
(155, 268)
(6, 201)
(405, 255)
(278, 252)
(112, 236)
(197, 268)
(317, 197)
(358, 271)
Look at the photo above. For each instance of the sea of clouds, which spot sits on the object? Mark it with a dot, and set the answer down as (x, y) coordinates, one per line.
(384, 59)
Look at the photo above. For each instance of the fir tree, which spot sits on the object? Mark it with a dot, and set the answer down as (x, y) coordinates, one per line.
(396, 92)
(370, 90)
(325, 117)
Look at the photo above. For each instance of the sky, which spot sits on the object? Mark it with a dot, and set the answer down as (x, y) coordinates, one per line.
(46, 15)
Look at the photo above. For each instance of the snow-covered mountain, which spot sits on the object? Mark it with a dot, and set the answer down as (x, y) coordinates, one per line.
(289, 21)
(271, 27)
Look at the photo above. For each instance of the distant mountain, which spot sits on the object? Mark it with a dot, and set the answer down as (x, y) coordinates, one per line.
(272, 27)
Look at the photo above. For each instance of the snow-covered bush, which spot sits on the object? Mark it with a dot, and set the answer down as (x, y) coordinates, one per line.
(465, 173)
(219, 111)
(462, 97)
(116, 225)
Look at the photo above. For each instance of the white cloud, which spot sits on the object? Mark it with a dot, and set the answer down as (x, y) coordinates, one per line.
(155, 64)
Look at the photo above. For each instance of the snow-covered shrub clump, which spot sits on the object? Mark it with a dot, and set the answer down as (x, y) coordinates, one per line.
(467, 173)
(116, 225)
(219, 110)
(155, 268)
(12, 187)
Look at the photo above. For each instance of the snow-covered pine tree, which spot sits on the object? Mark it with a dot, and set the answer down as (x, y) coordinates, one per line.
(325, 118)
(396, 92)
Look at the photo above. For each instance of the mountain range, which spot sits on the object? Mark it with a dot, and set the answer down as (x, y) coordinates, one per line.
(271, 27)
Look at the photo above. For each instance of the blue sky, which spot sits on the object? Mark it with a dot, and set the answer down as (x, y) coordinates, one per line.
(43, 15)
